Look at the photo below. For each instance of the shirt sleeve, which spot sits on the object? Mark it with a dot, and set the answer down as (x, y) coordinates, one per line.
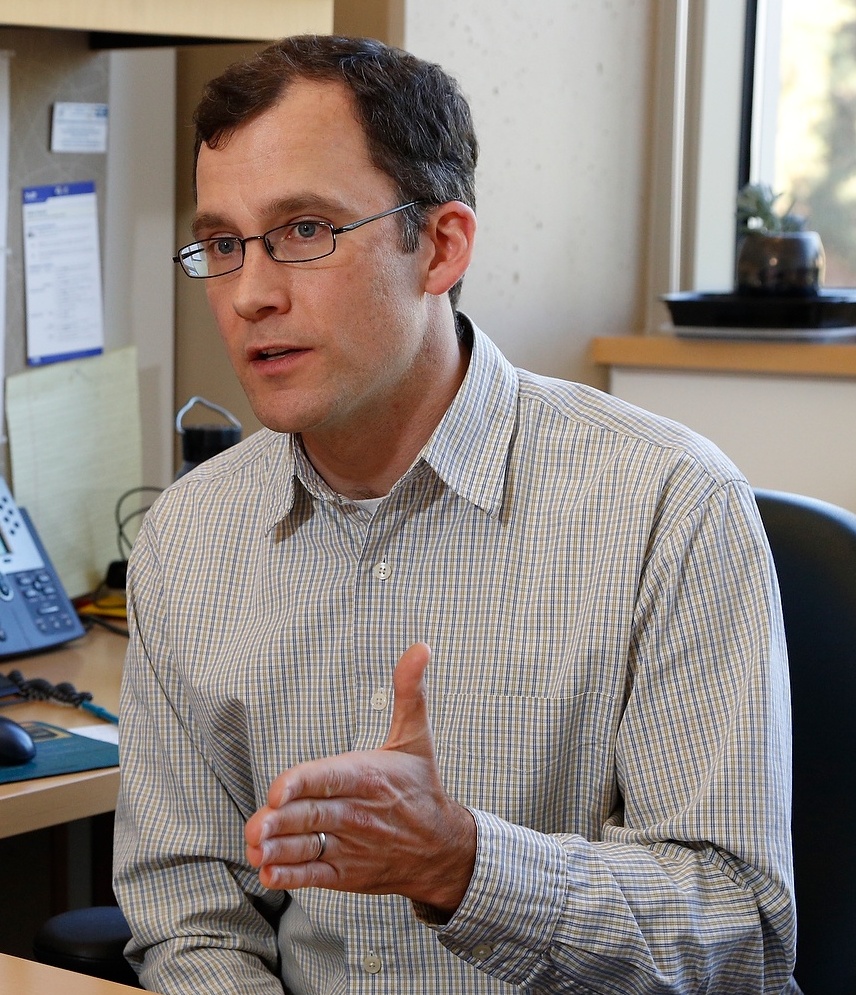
(199, 917)
(689, 886)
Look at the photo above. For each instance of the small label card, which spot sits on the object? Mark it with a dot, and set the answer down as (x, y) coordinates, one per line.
(77, 127)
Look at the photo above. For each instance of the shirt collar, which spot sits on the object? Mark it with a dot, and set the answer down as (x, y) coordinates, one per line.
(468, 450)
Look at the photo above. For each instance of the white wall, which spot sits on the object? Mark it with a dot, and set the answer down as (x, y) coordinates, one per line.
(560, 92)
(787, 433)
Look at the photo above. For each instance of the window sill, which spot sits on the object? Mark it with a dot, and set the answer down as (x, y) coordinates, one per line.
(668, 352)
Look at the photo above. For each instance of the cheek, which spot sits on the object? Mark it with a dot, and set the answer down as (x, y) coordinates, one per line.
(219, 304)
(391, 286)
(216, 301)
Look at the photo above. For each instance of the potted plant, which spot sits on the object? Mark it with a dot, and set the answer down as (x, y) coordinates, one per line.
(777, 256)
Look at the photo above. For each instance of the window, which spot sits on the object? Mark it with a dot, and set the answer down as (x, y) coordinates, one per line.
(698, 91)
(749, 89)
(803, 133)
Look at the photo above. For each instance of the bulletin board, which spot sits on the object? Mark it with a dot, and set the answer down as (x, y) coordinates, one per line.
(44, 67)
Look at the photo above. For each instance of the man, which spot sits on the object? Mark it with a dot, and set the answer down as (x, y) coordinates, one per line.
(583, 784)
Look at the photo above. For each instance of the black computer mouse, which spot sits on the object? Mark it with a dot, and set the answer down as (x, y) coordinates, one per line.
(16, 744)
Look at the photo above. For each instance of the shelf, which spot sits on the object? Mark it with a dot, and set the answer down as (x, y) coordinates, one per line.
(667, 352)
(248, 20)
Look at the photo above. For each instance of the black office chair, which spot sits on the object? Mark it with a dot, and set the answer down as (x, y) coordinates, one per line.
(814, 549)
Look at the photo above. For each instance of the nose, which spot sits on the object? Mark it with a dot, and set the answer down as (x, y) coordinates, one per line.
(254, 238)
(262, 285)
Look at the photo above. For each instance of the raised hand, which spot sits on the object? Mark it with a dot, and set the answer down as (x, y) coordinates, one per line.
(386, 823)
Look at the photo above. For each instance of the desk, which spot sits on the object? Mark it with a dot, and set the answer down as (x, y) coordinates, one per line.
(26, 977)
(92, 663)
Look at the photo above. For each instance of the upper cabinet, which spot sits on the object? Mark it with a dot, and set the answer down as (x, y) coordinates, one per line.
(220, 19)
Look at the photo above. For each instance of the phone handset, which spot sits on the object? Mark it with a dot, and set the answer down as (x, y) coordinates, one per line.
(35, 612)
(18, 550)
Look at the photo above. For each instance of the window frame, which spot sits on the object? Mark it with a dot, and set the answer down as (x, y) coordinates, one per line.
(702, 143)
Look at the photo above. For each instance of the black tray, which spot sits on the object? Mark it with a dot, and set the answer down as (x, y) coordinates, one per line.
(828, 309)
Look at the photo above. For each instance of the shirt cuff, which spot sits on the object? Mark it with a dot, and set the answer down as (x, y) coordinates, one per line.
(504, 926)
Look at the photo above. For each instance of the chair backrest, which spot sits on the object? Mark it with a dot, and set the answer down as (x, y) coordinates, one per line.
(814, 550)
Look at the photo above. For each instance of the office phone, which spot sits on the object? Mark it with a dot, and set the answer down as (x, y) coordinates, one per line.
(35, 611)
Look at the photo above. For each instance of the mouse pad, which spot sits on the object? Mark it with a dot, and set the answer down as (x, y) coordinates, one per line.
(59, 751)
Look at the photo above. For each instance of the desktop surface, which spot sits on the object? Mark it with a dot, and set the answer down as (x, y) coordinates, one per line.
(91, 663)
(26, 977)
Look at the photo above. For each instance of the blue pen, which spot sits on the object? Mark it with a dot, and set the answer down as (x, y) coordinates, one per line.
(102, 713)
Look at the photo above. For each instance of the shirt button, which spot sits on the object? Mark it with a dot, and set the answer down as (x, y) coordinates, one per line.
(380, 699)
(482, 951)
(372, 963)
(381, 570)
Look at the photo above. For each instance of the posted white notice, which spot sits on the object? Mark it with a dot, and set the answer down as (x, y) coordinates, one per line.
(78, 127)
(62, 272)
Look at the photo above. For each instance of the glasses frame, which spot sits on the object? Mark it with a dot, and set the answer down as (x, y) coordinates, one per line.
(263, 238)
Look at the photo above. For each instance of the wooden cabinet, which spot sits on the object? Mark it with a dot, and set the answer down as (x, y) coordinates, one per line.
(225, 19)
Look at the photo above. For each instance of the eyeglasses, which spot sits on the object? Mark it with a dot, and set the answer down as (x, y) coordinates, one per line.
(300, 242)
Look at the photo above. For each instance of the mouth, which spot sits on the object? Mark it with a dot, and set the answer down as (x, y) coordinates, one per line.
(267, 355)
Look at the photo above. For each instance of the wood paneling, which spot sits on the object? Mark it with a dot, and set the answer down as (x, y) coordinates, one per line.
(249, 19)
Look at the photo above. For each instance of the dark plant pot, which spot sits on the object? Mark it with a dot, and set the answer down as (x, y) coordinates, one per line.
(788, 264)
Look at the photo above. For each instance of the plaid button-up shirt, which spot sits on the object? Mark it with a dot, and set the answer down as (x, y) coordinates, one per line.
(608, 693)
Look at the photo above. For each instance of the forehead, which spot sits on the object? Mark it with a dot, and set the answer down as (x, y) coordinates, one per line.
(309, 143)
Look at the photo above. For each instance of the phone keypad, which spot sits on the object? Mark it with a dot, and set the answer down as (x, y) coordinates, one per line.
(38, 589)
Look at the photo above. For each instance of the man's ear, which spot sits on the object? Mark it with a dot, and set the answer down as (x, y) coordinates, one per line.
(451, 230)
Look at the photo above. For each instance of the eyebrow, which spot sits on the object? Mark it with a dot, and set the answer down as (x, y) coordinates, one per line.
(299, 204)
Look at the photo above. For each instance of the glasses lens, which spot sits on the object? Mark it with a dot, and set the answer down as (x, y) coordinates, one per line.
(192, 260)
(300, 242)
(222, 255)
(296, 243)
(211, 257)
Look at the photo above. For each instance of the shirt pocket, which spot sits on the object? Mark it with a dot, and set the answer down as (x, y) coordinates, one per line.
(546, 763)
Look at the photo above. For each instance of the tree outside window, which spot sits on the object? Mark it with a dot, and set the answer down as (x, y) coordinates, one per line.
(815, 158)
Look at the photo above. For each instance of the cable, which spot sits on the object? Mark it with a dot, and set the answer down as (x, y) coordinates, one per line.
(64, 693)
(124, 542)
(89, 620)
(108, 600)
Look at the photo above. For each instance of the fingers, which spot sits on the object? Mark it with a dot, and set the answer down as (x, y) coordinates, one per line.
(301, 849)
(410, 728)
(409, 732)
(298, 818)
(295, 862)
(316, 781)
(379, 807)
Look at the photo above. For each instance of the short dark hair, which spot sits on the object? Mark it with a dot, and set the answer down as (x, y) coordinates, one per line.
(416, 120)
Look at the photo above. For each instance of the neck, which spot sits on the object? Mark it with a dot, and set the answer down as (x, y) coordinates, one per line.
(365, 461)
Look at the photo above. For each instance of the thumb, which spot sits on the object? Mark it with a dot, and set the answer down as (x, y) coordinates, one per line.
(410, 728)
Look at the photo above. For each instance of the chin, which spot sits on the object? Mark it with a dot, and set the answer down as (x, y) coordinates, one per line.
(277, 423)
(274, 411)
(280, 419)
(292, 410)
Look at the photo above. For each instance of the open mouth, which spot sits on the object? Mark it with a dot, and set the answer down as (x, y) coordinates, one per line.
(266, 354)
